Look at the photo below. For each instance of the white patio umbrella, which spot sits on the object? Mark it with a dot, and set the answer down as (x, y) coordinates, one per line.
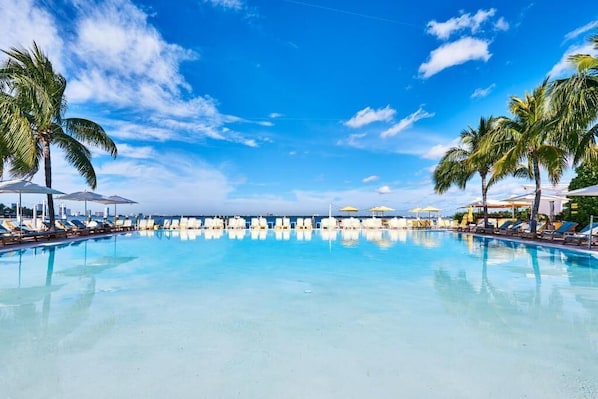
(19, 186)
(590, 191)
(528, 199)
(83, 196)
(116, 199)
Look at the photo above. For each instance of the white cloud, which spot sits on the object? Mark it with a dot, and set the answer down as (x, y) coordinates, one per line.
(227, 4)
(124, 62)
(370, 179)
(455, 53)
(472, 23)
(406, 122)
(564, 66)
(501, 24)
(437, 151)
(275, 115)
(479, 92)
(369, 115)
(138, 152)
(581, 30)
(384, 190)
(354, 140)
(23, 22)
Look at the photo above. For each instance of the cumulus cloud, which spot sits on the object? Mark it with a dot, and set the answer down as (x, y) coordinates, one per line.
(370, 179)
(501, 24)
(124, 62)
(437, 151)
(406, 122)
(455, 53)
(23, 22)
(464, 22)
(479, 92)
(384, 190)
(369, 115)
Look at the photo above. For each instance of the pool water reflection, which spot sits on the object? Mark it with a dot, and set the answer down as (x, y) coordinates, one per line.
(298, 314)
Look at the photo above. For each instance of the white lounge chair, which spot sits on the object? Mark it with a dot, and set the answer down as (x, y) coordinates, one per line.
(328, 223)
(263, 223)
(184, 223)
(286, 223)
(307, 224)
(278, 223)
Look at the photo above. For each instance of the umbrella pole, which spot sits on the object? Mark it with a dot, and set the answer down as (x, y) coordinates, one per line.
(591, 232)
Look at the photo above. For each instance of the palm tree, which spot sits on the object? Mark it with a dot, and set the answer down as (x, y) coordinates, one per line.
(32, 108)
(460, 164)
(530, 137)
(576, 100)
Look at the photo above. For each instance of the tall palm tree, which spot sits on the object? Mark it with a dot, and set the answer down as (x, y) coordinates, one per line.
(576, 100)
(32, 107)
(530, 137)
(460, 164)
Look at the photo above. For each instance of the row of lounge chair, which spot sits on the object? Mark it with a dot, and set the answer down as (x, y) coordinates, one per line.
(14, 233)
(284, 223)
(563, 232)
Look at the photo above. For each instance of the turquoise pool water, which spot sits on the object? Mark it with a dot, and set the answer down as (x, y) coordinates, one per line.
(286, 315)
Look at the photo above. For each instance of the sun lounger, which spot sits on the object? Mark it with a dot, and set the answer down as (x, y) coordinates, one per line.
(263, 223)
(581, 236)
(278, 223)
(286, 223)
(526, 232)
(184, 223)
(307, 224)
(463, 226)
(566, 227)
(350, 223)
(511, 228)
(328, 223)
(503, 226)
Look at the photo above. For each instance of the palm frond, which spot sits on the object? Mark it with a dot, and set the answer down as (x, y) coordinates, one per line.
(77, 155)
(91, 133)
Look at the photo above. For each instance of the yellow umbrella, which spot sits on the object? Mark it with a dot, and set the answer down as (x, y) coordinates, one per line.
(349, 209)
(416, 211)
(381, 209)
(430, 209)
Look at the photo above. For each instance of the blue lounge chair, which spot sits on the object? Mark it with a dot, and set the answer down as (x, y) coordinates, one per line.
(566, 227)
(503, 226)
(510, 229)
(583, 235)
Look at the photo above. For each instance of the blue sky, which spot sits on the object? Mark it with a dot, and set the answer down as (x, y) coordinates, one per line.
(284, 106)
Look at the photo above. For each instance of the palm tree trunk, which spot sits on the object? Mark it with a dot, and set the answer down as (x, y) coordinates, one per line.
(48, 173)
(484, 196)
(536, 205)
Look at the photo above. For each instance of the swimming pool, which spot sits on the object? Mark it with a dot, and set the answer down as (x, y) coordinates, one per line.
(289, 315)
